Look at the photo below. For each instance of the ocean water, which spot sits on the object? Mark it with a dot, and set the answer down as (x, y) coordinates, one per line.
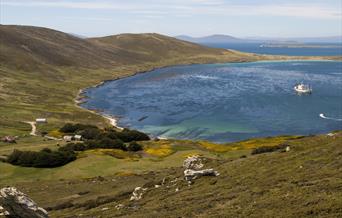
(226, 102)
(255, 48)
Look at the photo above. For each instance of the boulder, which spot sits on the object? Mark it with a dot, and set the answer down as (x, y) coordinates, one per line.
(17, 204)
(193, 169)
(137, 193)
(190, 175)
(193, 162)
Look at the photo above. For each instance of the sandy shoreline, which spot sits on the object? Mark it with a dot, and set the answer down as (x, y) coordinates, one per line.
(113, 121)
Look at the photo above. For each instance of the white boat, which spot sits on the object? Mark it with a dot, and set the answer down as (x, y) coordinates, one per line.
(301, 88)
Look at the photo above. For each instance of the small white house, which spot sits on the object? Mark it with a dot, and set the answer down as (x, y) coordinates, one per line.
(41, 120)
(67, 138)
(77, 137)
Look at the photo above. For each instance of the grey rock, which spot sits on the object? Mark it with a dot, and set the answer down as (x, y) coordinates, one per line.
(17, 204)
(193, 169)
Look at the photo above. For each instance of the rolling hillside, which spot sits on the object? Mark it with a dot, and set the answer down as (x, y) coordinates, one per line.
(30, 48)
(152, 47)
(303, 182)
(42, 69)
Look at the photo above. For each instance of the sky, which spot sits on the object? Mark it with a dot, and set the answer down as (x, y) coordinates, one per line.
(240, 18)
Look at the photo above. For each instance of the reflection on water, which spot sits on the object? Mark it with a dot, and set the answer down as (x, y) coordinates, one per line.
(226, 102)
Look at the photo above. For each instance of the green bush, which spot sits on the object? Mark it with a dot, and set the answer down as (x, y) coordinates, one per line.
(42, 159)
(73, 128)
(267, 149)
(132, 135)
(90, 133)
(107, 138)
(106, 143)
(134, 146)
(73, 147)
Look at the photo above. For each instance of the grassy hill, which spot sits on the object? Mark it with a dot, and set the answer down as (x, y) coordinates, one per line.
(152, 47)
(42, 70)
(304, 182)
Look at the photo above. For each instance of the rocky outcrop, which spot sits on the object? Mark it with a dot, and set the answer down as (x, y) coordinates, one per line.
(137, 193)
(193, 169)
(17, 204)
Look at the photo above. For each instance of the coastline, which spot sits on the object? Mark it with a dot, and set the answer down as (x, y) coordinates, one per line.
(113, 121)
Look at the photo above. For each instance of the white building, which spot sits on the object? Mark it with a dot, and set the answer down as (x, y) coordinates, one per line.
(77, 137)
(41, 120)
(67, 138)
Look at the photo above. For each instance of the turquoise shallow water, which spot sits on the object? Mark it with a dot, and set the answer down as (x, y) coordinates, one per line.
(226, 102)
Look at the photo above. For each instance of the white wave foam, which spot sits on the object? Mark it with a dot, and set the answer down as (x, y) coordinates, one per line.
(329, 118)
(206, 77)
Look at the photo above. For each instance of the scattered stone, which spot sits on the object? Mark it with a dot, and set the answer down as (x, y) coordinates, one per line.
(105, 208)
(3, 212)
(287, 149)
(177, 189)
(119, 206)
(193, 162)
(17, 204)
(137, 193)
(9, 139)
(194, 174)
(157, 186)
(193, 166)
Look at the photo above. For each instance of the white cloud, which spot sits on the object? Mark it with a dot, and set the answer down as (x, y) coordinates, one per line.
(181, 8)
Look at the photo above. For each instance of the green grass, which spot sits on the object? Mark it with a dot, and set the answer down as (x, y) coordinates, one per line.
(105, 162)
(298, 183)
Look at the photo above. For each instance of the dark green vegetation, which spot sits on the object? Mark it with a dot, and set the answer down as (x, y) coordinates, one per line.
(304, 182)
(44, 158)
(266, 149)
(95, 138)
(106, 138)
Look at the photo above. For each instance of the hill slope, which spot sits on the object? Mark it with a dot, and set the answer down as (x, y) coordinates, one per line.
(28, 48)
(306, 181)
(42, 69)
(153, 47)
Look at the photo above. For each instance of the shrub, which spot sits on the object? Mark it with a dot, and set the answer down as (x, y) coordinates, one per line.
(106, 143)
(110, 134)
(267, 149)
(72, 128)
(68, 128)
(73, 147)
(42, 159)
(132, 135)
(134, 146)
(90, 133)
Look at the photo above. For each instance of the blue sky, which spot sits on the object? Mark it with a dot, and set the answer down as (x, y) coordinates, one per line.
(241, 18)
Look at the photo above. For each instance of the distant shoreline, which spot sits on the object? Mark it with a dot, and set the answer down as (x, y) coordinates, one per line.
(299, 46)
